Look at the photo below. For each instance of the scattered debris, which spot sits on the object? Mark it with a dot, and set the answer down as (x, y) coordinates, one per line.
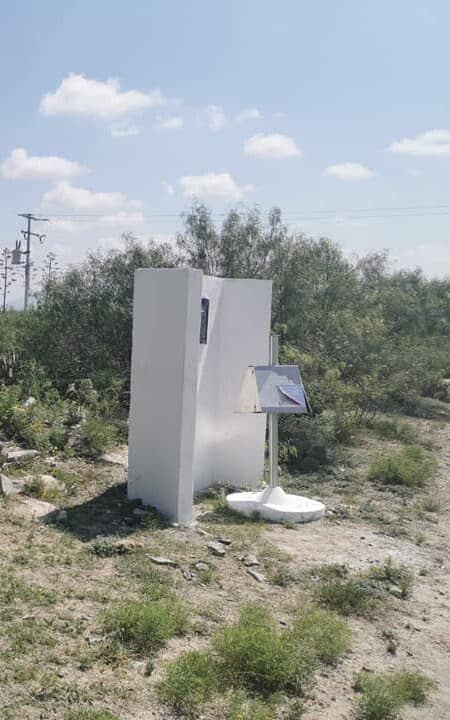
(29, 402)
(11, 486)
(201, 566)
(158, 560)
(29, 507)
(216, 548)
(18, 455)
(117, 457)
(256, 575)
(51, 483)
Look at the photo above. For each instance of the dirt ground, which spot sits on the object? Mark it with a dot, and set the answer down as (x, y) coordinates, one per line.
(59, 575)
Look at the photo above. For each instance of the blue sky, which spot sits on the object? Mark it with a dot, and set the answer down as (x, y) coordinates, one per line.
(115, 115)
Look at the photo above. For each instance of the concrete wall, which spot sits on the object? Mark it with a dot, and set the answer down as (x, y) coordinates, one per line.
(229, 447)
(166, 327)
(185, 434)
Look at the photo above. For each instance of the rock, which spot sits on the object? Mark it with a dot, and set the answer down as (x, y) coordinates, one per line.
(256, 575)
(251, 561)
(224, 541)
(18, 455)
(29, 507)
(202, 566)
(29, 402)
(117, 457)
(51, 483)
(201, 532)
(216, 548)
(11, 486)
(158, 560)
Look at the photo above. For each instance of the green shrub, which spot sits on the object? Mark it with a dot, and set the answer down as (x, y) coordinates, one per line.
(91, 715)
(347, 596)
(146, 626)
(255, 655)
(383, 696)
(189, 681)
(391, 575)
(244, 708)
(324, 633)
(393, 430)
(410, 467)
(95, 436)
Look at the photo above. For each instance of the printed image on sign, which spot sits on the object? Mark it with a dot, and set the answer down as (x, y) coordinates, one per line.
(294, 393)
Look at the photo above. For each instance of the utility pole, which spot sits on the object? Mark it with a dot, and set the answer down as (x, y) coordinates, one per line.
(29, 217)
(6, 268)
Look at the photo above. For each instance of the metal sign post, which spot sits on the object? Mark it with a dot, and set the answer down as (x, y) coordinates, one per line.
(273, 422)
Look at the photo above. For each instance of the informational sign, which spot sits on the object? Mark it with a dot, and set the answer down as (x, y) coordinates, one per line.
(273, 389)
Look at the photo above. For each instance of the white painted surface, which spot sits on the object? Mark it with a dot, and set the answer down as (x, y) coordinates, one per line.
(275, 505)
(229, 447)
(166, 327)
(185, 433)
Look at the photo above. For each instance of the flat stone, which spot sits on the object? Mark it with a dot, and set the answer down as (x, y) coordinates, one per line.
(216, 548)
(159, 560)
(117, 457)
(202, 566)
(224, 541)
(29, 507)
(256, 575)
(51, 483)
(11, 486)
(19, 455)
(251, 561)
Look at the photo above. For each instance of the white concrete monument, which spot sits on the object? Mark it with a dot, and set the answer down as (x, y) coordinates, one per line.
(194, 337)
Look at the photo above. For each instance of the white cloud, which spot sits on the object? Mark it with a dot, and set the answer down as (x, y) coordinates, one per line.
(214, 185)
(168, 187)
(21, 166)
(349, 171)
(174, 122)
(272, 145)
(249, 114)
(434, 143)
(68, 197)
(217, 117)
(123, 218)
(79, 95)
(125, 130)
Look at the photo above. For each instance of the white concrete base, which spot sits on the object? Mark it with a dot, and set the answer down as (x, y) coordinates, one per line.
(275, 505)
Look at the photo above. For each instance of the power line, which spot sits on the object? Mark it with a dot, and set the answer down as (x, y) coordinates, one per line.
(351, 213)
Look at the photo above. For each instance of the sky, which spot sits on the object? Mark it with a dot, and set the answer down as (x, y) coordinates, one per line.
(115, 116)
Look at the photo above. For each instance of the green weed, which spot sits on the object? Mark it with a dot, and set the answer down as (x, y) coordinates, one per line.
(255, 655)
(393, 577)
(383, 696)
(189, 681)
(91, 715)
(324, 633)
(146, 626)
(410, 468)
(347, 596)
